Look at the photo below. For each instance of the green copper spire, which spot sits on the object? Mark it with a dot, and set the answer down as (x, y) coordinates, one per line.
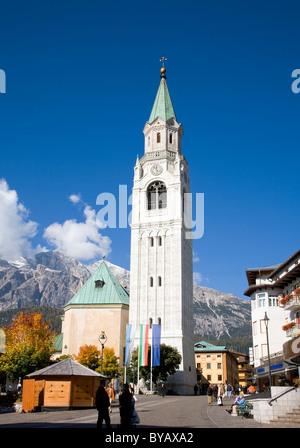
(101, 288)
(162, 107)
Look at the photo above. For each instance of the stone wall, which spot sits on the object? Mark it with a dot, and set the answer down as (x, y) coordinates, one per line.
(264, 413)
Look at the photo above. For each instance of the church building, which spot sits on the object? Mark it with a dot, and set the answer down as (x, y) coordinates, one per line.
(101, 305)
(161, 271)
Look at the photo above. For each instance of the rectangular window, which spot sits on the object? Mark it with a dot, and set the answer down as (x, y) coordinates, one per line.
(219, 365)
(273, 301)
(262, 326)
(208, 365)
(261, 300)
(219, 377)
(254, 328)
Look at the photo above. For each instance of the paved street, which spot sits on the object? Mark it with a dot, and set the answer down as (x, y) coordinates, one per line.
(154, 412)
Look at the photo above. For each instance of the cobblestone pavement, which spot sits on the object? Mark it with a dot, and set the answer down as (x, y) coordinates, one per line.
(154, 412)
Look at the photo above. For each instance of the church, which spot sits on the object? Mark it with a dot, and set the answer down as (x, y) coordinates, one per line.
(161, 266)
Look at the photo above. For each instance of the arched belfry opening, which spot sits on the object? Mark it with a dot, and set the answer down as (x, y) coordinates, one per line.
(157, 195)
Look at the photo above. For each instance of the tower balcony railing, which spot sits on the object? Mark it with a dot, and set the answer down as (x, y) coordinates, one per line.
(159, 154)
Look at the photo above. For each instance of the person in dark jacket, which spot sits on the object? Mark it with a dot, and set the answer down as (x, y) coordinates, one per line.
(126, 408)
(195, 389)
(102, 405)
(209, 394)
(215, 392)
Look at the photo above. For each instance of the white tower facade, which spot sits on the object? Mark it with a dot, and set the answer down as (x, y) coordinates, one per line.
(161, 272)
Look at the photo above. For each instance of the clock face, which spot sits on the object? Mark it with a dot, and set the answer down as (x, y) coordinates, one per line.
(156, 169)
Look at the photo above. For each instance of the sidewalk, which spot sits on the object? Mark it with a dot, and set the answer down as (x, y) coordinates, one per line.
(223, 419)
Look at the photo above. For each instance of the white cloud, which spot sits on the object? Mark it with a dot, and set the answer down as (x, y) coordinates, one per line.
(16, 229)
(195, 257)
(197, 277)
(199, 280)
(80, 240)
(75, 198)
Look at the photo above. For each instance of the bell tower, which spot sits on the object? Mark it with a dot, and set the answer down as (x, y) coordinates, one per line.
(161, 272)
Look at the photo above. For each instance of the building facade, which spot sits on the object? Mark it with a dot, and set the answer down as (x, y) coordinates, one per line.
(161, 271)
(215, 364)
(274, 292)
(101, 305)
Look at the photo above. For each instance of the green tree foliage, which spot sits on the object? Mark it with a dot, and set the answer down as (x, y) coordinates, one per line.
(170, 360)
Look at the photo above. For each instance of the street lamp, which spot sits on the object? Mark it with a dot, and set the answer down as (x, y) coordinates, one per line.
(102, 339)
(266, 321)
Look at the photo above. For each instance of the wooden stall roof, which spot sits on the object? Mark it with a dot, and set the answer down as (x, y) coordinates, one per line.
(65, 368)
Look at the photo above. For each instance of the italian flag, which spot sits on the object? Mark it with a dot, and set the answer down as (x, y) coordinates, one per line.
(143, 351)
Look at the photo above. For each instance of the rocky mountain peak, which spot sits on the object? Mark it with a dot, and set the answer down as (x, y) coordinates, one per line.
(52, 279)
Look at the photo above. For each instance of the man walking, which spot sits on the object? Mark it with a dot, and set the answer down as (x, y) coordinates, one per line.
(126, 406)
(102, 405)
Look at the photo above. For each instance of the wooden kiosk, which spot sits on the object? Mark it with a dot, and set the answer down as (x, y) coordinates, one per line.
(66, 384)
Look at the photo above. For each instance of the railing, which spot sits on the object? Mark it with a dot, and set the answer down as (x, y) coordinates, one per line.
(286, 391)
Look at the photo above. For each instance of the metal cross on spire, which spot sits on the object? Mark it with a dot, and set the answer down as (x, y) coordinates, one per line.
(163, 59)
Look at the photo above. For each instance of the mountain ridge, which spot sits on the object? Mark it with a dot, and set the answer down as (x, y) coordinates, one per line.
(52, 279)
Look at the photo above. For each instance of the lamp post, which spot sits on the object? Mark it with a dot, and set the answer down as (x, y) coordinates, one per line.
(266, 321)
(102, 339)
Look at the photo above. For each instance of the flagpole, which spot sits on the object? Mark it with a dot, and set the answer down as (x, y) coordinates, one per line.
(138, 372)
(151, 364)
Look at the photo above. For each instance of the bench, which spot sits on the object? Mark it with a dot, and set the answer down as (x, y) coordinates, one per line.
(245, 411)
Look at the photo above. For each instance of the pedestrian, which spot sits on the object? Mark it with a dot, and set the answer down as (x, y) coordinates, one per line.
(236, 388)
(221, 390)
(163, 390)
(125, 400)
(102, 405)
(251, 389)
(215, 392)
(225, 390)
(209, 394)
(195, 389)
(110, 393)
(239, 401)
(229, 389)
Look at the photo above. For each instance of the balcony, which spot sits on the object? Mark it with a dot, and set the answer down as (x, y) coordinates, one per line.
(292, 328)
(291, 302)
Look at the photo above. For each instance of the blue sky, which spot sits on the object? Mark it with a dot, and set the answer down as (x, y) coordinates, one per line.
(81, 81)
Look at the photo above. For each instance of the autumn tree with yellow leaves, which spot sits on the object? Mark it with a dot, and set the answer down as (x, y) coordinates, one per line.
(29, 345)
(90, 356)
